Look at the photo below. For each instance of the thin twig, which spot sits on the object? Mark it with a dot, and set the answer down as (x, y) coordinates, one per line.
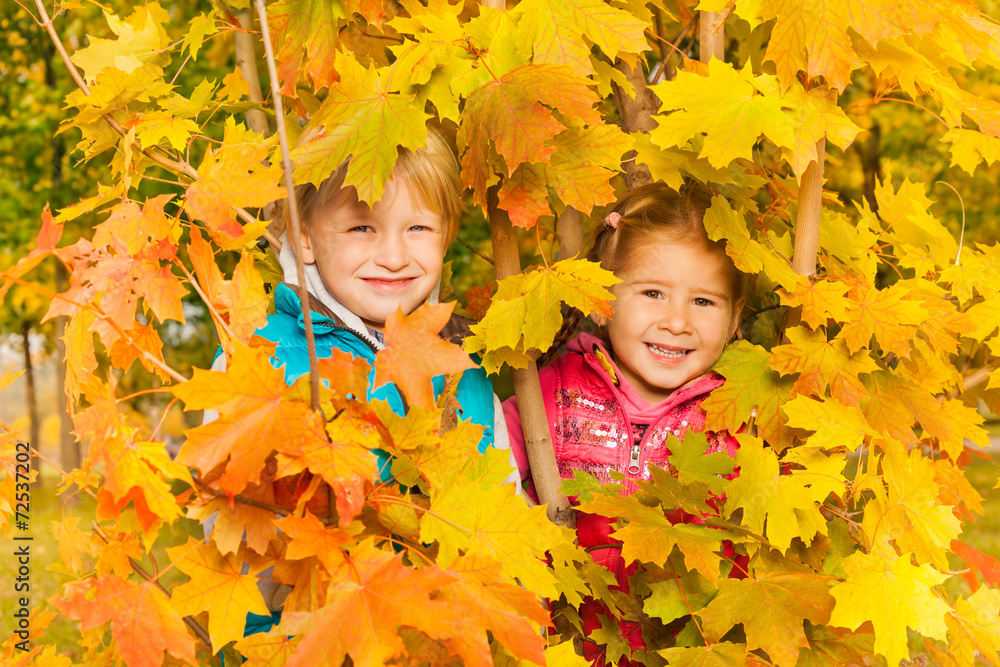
(243, 500)
(474, 249)
(293, 209)
(204, 297)
(201, 633)
(191, 623)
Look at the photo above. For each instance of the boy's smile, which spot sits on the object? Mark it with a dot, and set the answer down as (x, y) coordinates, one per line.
(673, 316)
(380, 259)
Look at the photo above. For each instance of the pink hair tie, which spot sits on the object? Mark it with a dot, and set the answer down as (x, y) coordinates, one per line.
(612, 219)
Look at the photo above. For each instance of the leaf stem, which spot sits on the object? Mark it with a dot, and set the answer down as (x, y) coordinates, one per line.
(474, 249)
(295, 235)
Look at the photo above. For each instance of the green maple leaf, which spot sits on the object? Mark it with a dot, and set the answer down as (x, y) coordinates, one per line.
(726, 107)
(365, 117)
(650, 535)
(678, 596)
(750, 385)
(772, 608)
(555, 28)
(789, 502)
(720, 654)
(689, 459)
(526, 311)
(583, 485)
(749, 255)
(893, 594)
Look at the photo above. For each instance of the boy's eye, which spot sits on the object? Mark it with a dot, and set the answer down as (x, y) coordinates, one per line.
(361, 228)
(419, 228)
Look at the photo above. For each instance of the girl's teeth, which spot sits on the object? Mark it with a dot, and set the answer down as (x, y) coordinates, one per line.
(675, 354)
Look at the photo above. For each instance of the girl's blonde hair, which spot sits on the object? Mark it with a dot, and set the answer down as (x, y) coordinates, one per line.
(432, 172)
(657, 212)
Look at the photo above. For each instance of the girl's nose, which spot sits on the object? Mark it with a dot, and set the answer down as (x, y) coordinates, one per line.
(676, 319)
(391, 252)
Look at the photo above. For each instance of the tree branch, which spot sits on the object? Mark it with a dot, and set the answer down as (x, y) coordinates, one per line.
(808, 216)
(294, 231)
(175, 166)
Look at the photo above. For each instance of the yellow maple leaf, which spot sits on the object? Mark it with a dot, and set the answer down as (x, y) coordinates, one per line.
(497, 524)
(821, 364)
(888, 314)
(974, 628)
(893, 594)
(526, 309)
(218, 586)
(726, 107)
(833, 423)
(820, 300)
(749, 255)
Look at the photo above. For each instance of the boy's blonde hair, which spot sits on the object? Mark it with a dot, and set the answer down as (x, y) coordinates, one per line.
(431, 172)
(657, 211)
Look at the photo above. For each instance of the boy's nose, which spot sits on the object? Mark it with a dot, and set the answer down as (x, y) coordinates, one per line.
(391, 253)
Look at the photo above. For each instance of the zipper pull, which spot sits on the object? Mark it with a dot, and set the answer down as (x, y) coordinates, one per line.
(633, 464)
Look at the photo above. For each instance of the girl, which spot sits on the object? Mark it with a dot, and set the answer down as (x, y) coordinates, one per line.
(611, 400)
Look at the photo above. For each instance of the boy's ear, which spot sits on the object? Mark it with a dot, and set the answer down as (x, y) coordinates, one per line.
(308, 257)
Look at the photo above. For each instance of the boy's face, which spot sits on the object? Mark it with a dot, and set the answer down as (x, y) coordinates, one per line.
(380, 259)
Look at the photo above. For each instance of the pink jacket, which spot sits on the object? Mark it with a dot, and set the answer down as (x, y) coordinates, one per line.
(591, 412)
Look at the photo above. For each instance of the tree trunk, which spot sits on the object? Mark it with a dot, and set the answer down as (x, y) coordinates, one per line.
(534, 422)
(637, 116)
(871, 163)
(31, 397)
(807, 219)
(569, 233)
(711, 39)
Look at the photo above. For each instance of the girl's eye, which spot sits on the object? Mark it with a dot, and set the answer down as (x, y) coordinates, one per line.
(652, 294)
(701, 301)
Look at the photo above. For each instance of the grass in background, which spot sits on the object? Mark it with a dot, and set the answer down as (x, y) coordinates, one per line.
(48, 574)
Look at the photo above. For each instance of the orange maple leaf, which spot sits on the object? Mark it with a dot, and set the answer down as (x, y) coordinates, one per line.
(258, 414)
(478, 300)
(979, 563)
(143, 623)
(48, 237)
(371, 595)
(414, 353)
(309, 537)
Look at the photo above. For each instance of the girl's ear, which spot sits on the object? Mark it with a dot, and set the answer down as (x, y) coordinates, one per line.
(735, 323)
(308, 257)
(599, 320)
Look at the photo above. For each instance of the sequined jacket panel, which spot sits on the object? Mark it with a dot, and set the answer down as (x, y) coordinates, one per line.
(591, 415)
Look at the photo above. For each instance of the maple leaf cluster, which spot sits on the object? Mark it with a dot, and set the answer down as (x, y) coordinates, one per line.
(852, 396)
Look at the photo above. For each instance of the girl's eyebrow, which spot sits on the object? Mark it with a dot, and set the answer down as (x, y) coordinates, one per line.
(655, 282)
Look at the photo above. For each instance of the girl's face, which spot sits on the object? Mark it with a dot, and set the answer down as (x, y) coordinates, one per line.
(673, 315)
